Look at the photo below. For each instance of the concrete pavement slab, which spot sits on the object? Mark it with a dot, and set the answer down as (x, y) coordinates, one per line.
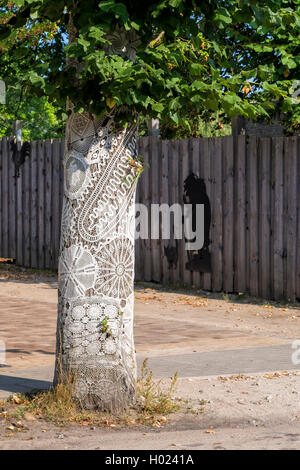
(214, 363)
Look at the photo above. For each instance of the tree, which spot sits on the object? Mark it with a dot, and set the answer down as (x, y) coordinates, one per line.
(27, 46)
(121, 60)
(32, 111)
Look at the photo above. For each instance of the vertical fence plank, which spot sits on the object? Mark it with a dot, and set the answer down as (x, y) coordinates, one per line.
(206, 162)
(41, 205)
(240, 218)
(61, 175)
(5, 198)
(194, 167)
(271, 216)
(140, 200)
(48, 203)
(146, 244)
(228, 213)
(278, 248)
(179, 196)
(217, 232)
(55, 195)
(19, 219)
(155, 149)
(291, 170)
(173, 159)
(165, 200)
(34, 206)
(252, 208)
(185, 150)
(12, 209)
(264, 225)
(26, 194)
(298, 223)
(61, 187)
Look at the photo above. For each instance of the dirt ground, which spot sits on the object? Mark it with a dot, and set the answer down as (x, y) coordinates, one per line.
(251, 411)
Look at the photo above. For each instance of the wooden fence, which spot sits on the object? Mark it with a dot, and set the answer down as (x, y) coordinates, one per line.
(254, 189)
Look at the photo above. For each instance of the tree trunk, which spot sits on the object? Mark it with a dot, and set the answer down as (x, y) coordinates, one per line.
(96, 263)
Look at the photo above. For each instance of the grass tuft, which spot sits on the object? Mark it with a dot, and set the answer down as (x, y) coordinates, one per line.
(58, 405)
(152, 400)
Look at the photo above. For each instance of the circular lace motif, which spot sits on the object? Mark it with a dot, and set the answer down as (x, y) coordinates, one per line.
(77, 271)
(78, 312)
(116, 270)
(109, 347)
(94, 312)
(110, 311)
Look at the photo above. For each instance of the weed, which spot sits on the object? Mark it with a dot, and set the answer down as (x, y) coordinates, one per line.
(152, 400)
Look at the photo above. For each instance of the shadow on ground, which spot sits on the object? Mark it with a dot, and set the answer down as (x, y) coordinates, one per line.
(22, 385)
(241, 298)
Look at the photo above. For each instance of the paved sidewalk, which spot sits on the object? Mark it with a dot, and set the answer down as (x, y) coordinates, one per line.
(194, 336)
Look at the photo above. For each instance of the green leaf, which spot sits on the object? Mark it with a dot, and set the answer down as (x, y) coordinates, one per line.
(175, 3)
(197, 69)
(289, 61)
(85, 44)
(198, 85)
(174, 117)
(97, 33)
(158, 107)
(223, 17)
(118, 9)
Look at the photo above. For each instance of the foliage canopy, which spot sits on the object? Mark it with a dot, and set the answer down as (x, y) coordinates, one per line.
(172, 59)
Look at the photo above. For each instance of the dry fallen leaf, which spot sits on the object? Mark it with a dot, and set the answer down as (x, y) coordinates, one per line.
(276, 375)
(16, 399)
(156, 424)
(234, 377)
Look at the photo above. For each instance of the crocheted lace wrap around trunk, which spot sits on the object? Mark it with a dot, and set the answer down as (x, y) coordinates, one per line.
(96, 263)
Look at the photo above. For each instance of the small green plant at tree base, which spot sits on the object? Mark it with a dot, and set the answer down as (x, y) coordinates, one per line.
(151, 398)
